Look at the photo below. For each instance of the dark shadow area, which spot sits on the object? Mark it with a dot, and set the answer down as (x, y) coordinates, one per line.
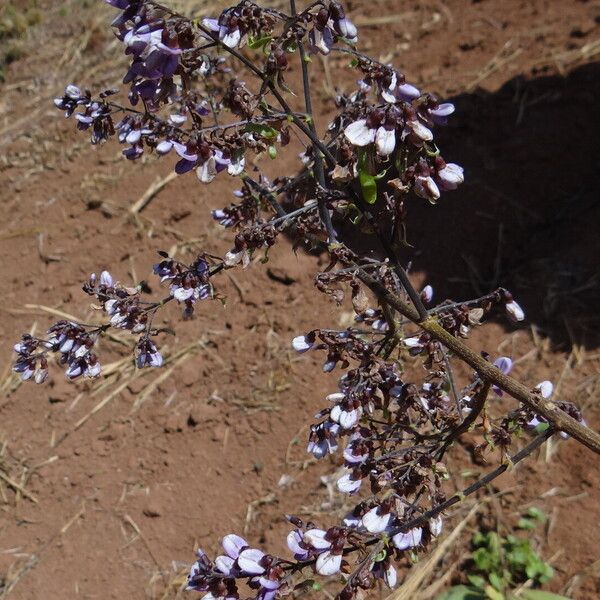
(528, 215)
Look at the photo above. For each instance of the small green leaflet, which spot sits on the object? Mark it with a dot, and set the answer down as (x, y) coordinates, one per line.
(263, 130)
(258, 42)
(368, 182)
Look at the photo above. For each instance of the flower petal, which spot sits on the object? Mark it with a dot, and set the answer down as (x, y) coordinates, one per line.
(359, 134)
(385, 140)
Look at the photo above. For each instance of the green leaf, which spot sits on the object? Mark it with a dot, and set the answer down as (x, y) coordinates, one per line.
(527, 524)
(535, 513)
(263, 130)
(493, 593)
(477, 581)
(461, 592)
(368, 183)
(497, 581)
(258, 42)
(272, 151)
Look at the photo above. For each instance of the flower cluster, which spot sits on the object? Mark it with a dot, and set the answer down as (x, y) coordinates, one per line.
(263, 572)
(329, 24)
(125, 309)
(236, 24)
(188, 283)
(72, 342)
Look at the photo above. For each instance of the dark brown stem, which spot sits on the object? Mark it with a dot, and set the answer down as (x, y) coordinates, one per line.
(487, 371)
(478, 405)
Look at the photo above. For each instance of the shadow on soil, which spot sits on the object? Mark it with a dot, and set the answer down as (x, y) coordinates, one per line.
(528, 215)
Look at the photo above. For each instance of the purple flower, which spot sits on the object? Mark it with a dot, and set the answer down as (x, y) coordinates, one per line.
(504, 364)
(410, 539)
(448, 175)
(295, 542)
(233, 544)
(407, 92)
(147, 354)
(440, 114)
(322, 440)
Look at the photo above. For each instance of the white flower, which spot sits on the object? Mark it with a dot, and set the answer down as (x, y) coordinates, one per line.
(249, 561)
(316, 539)
(224, 564)
(546, 388)
(385, 141)
(351, 521)
(427, 294)
(328, 563)
(418, 131)
(450, 177)
(182, 294)
(412, 342)
(236, 166)
(164, 147)
(514, 311)
(93, 370)
(233, 258)
(73, 92)
(346, 418)
(347, 485)
(435, 525)
(388, 94)
(177, 119)
(425, 187)
(359, 134)
(233, 544)
(390, 577)
(301, 344)
(207, 171)
(373, 522)
(106, 279)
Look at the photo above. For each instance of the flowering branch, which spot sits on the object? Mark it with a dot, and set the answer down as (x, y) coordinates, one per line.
(357, 177)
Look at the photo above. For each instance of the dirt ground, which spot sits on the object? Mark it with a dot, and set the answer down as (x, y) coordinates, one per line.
(107, 488)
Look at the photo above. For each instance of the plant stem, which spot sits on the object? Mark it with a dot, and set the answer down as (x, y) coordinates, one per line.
(319, 169)
(488, 372)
